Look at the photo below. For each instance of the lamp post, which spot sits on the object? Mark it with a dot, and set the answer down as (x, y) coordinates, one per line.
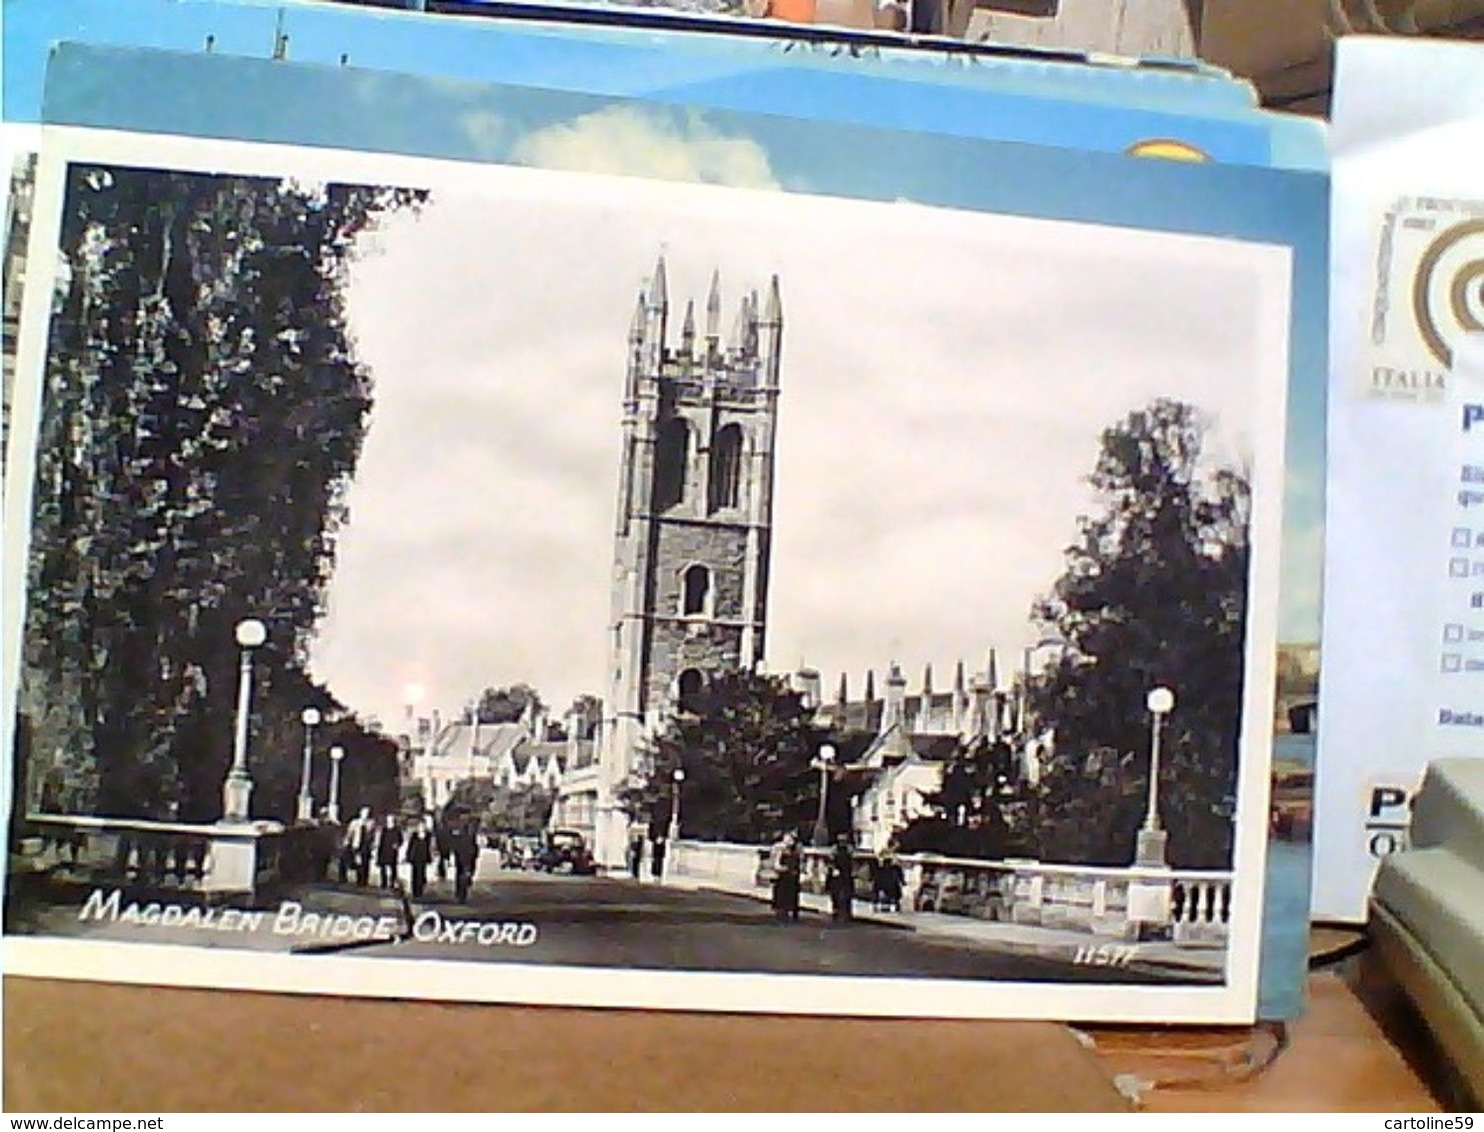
(310, 717)
(237, 790)
(1150, 849)
(336, 755)
(824, 762)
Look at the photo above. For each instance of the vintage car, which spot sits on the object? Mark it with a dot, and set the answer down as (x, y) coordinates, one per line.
(566, 851)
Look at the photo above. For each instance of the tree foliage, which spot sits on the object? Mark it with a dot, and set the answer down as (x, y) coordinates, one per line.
(589, 710)
(203, 414)
(746, 750)
(504, 705)
(1154, 594)
(522, 810)
(978, 810)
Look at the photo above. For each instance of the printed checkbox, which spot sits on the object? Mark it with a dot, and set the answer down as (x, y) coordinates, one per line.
(1452, 662)
(1458, 567)
(1452, 634)
(1463, 537)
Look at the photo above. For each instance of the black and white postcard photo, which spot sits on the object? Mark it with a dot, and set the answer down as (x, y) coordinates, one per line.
(518, 585)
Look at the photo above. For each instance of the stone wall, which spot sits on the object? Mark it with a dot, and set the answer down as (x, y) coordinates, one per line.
(676, 643)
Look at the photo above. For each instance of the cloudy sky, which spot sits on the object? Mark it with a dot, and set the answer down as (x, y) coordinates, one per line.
(946, 377)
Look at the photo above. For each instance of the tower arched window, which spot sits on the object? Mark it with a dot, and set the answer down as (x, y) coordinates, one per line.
(726, 468)
(695, 591)
(688, 688)
(670, 460)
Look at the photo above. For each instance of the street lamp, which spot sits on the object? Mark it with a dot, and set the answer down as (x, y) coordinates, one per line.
(1151, 841)
(237, 790)
(310, 717)
(336, 755)
(824, 762)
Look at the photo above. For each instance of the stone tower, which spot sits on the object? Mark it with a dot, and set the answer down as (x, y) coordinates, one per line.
(695, 506)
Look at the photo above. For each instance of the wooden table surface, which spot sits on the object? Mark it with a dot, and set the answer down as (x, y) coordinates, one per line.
(1359, 1047)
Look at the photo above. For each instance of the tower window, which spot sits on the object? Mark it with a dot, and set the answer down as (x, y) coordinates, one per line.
(726, 468)
(670, 462)
(688, 690)
(695, 591)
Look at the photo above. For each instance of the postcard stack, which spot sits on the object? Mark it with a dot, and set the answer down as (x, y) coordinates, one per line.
(656, 518)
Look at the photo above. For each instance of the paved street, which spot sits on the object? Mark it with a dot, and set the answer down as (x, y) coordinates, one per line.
(601, 921)
(617, 922)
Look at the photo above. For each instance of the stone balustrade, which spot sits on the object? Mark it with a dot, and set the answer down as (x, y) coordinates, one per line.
(723, 863)
(1188, 906)
(214, 860)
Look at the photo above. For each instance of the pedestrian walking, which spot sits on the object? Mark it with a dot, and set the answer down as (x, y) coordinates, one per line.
(887, 881)
(785, 862)
(636, 855)
(842, 880)
(419, 854)
(355, 851)
(657, 859)
(463, 845)
(442, 844)
(388, 850)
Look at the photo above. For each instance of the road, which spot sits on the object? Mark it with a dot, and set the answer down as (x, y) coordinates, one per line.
(612, 922)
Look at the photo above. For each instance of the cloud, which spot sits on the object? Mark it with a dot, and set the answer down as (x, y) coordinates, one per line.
(485, 130)
(630, 142)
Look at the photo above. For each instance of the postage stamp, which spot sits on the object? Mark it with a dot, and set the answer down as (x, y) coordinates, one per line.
(1428, 292)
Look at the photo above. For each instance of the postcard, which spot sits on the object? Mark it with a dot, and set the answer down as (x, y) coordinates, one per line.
(776, 17)
(1405, 544)
(100, 87)
(1006, 96)
(17, 179)
(504, 584)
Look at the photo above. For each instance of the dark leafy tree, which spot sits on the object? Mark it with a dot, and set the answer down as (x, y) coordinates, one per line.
(1154, 594)
(203, 414)
(368, 773)
(747, 749)
(978, 810)
(521, 810)
(589, 710)
(504, 705)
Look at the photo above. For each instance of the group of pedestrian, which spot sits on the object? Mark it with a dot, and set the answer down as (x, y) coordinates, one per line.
(887, 882)
(636, 855)
(786, 866)
(421, 842)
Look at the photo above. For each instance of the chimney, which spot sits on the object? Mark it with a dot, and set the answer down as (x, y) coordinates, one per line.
(806, 683)
(574, 721)
(896, 699)
(982, 711)
(960, 700)
(925, 704)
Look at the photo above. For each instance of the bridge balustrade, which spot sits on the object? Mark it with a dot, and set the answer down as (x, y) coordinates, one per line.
(1189, 906)
(211, 859)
